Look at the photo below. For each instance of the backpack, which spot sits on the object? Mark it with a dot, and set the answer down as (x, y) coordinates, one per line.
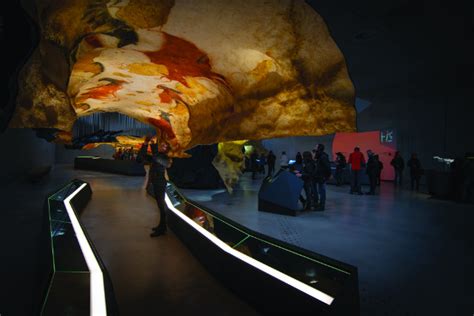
(343, 162)
(325, 166)
(326, 170)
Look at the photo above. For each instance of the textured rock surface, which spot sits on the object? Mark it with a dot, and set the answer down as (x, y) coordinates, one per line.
(201, 72)
(229, 162)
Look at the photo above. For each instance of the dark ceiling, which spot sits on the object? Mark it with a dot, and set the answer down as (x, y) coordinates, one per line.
(403, 45)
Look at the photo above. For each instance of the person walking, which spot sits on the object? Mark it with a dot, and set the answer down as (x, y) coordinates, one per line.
(157, 177)
(323, 173)
(340, 166)
(398, 165)
(271, 158)
(415, 171)
(372, 171)
(357, 161)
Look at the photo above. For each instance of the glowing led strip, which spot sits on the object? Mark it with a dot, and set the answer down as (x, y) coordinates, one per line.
(97, 291)
(323, 297)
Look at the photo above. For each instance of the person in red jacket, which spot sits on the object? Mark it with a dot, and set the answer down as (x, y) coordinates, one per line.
(357, 162)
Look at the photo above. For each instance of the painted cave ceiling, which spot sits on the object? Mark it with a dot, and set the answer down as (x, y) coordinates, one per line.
(199, 72)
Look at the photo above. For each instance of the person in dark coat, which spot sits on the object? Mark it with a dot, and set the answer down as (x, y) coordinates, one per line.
(380, 163)
(159, 162)
(340, 166)
(261, 163)
(323, 173)
(398, 165)
(308, 175)
(254, 164)
(271, 158)
(372, 171)
(298, 165)
(299, 158)
(415, 171)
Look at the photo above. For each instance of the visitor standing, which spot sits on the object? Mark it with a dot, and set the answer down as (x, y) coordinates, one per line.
(398, 165)
(262, 161)
(271, 158)
(372, 171)
(340, 166)
(415, 171)
(357, 161)
(157, 177)
(323, 173)
(308, 172)
(254, 164)
(379, 175)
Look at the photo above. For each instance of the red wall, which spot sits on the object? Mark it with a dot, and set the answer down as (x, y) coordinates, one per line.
(345, 143)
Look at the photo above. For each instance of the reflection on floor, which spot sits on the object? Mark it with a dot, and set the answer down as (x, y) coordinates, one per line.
(414, 254)
(151, 276)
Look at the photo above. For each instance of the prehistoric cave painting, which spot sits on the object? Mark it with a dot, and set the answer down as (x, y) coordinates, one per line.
(200, 72)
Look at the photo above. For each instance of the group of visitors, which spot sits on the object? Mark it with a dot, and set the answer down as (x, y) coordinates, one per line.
(125, 154)
(315, 170)
(374, 166)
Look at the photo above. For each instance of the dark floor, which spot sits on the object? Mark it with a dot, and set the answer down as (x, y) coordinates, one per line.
(414, 254)
(151, 276)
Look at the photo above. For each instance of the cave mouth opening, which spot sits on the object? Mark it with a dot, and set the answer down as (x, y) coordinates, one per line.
(110, 128)
(110, 122)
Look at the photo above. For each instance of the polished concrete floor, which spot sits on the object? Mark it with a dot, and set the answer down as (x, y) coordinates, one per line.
(414, 254)
(151, 276)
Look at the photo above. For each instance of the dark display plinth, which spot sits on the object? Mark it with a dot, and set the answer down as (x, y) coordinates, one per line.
(280, 194)
(196, 172)
(73, 279)
(126, 167)
(274, 277)
(440, 183)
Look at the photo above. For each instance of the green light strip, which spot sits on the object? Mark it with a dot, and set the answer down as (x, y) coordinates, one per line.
(52, 246)
(263, 240)
(241, 242)
(50, 237)
(47, 293)
(58, 221)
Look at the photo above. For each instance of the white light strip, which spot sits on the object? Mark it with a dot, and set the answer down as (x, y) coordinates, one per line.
(323, 297)
(97, 291)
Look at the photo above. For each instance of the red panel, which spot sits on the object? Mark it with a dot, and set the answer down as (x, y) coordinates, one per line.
(345, 143)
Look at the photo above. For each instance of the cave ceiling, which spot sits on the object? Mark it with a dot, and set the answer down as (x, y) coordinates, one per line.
(199, 72)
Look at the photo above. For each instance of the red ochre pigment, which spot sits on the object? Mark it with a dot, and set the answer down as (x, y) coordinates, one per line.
(164, 126)
(93, 41)
(182, 59)
(102, 92)
(168, 95)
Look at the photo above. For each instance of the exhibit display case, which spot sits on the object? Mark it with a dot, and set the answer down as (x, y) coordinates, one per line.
(125, 167)
(269, 274)
(74, 280)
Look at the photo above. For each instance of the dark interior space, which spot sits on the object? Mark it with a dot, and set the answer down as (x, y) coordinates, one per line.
(411, 65)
